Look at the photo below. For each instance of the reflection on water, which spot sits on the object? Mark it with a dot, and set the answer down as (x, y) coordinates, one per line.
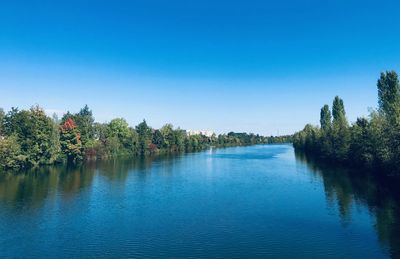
(32, 188)
(345, 188)
(235, 202)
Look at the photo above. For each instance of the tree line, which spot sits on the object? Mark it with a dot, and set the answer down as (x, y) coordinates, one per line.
(29, 138)
(371, 143)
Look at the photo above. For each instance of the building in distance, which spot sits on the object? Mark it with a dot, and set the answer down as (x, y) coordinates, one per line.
(207, 133)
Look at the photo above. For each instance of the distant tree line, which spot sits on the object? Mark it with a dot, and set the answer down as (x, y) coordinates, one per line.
(371, 143)
(29, 138)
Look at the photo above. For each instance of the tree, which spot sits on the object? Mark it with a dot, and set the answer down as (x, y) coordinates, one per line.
(119, 127)
(340, 134)
(158, 139)
(145, 137)
(325, 141)
(326, 118)
(37, 135)
(84, 120)
(2, 116)
(339, 114)
(101, 134)
(126, 137)
(167, 132)
(389, 107)
(70, 139)
(192, 142)
(389, 95)
(361, 149)
(11, 156)
(179, 136)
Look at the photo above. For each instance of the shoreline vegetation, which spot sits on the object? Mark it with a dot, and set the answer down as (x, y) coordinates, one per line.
(372, 143)
(30, 138)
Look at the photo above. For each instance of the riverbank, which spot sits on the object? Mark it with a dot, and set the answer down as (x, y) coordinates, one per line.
(30, 138)
(371, 143)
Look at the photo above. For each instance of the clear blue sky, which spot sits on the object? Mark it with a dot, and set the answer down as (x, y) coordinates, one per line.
(259, 66)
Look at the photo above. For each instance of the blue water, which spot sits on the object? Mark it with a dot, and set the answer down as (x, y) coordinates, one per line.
(242, 202)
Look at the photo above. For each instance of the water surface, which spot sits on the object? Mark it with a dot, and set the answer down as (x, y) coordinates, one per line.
(259, 201)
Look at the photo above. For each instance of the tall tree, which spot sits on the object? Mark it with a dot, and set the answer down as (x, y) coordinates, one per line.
(325, 141)
(339, 113)
(325, 118)
(389, 107)
(2, 116)
(340, 134)
(389, 95)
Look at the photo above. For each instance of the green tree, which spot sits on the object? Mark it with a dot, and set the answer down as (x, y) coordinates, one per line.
(158, 139)
(325, 141)
(339, 114)
(325, 118)
(119, 128)
(340, 134)
(192, 142)
(144, 137)
(2, 117)
(11, 156)
(380, 139)
(101, 134)
(179, 136)
(389, 95)
(167, 132)
(389, 106)
(84, 120)
(361, 149)
(37, 135)
(125, 136)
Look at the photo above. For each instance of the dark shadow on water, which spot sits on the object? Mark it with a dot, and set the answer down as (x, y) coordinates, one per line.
(30, 188)
(347, 187)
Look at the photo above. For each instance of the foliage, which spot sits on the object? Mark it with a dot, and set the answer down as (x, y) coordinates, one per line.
(11, 156)
(30, 138)
(70, 139)
(158, 139)
(2, 116)
(389, 96)
(372, 142)
(326, 118)
(36, 134)
(84, 120)
(145, 137)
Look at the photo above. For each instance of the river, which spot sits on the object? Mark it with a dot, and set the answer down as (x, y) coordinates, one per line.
(241, 202)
